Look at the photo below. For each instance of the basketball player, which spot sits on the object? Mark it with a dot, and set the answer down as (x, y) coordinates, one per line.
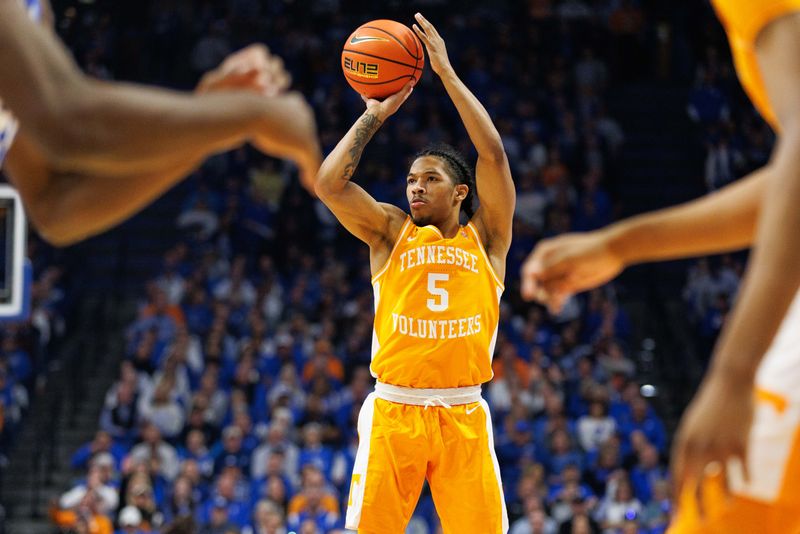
(736, 457)
(437, 289)
(88, 154)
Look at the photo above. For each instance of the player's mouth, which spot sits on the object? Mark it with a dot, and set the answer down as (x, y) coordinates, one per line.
(417, 203)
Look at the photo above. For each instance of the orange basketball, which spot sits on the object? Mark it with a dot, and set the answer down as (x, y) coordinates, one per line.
(380, 57)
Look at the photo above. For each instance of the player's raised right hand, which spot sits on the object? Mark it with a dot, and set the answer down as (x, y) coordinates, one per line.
(560, 267)
(389, 106)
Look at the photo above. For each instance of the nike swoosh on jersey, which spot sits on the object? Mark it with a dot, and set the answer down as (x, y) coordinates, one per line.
(469, 411)
(356, 39)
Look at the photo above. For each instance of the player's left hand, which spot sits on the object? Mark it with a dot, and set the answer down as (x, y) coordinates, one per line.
(714, 429)
(252, 68)
(437, 52)
(568, 264)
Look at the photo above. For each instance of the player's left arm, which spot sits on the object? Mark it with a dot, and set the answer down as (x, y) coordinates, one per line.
(492, 172)
(716, 425)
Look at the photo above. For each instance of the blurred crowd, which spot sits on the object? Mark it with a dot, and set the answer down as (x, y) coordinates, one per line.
(246, 367)
(235, 404)
(737, 139)
(711, 289)
(237, 400)
(26, 348)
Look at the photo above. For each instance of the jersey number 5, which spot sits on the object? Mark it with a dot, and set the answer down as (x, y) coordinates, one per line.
(438, 304)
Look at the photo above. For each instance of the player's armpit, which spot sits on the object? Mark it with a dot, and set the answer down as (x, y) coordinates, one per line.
(375, 223)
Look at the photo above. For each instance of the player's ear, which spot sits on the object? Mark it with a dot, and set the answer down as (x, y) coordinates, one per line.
(462, 190)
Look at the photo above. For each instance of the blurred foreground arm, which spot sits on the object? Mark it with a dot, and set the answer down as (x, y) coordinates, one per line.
(89, 154)
(720, 222)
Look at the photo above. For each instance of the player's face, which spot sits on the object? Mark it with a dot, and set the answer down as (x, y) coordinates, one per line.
(430, 190)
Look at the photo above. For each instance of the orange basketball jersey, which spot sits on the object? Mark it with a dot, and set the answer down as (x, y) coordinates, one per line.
(743, 21)
(437, 304)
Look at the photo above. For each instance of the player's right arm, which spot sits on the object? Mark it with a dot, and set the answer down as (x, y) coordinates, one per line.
(721, 222)
(375, 223)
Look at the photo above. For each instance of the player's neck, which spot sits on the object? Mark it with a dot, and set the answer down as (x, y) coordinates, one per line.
(449, 228)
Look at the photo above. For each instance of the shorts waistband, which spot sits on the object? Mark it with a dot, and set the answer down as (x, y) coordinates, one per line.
(445, 397)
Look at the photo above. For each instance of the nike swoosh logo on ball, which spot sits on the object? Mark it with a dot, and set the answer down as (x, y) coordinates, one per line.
(355, 39)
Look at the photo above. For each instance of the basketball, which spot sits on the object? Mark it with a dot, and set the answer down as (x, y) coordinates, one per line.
(380, 57)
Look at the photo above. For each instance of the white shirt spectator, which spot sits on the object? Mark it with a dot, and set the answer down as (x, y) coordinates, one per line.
(169, 417)
(701, 288)
(204, 221)
(618, 502)
(173, 286)
(530, 208)
(168, 458)
(243, 292)
(181, 390)
(194, 355)
(272, 303)
(537, 155)
(594, 431)
(107, 495)
(534, 523)
(611, 132)
(722, 161)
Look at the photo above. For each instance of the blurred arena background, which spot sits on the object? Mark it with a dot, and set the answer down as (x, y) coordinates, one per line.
(208, 358)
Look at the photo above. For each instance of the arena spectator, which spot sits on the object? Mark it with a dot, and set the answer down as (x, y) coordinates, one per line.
(596, 427)
(267, 519)
(154, 449)
(313, 502)
(618, 506)
(130, 521)
(647, 473)
(230, 452)
(105, 497)
(102, 443)
(86, 516)
(276, 441)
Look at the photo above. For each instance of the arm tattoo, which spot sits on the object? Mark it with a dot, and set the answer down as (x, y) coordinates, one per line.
(367, 127)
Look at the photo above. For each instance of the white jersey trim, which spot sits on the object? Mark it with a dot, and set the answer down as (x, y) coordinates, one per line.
(485, 256)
